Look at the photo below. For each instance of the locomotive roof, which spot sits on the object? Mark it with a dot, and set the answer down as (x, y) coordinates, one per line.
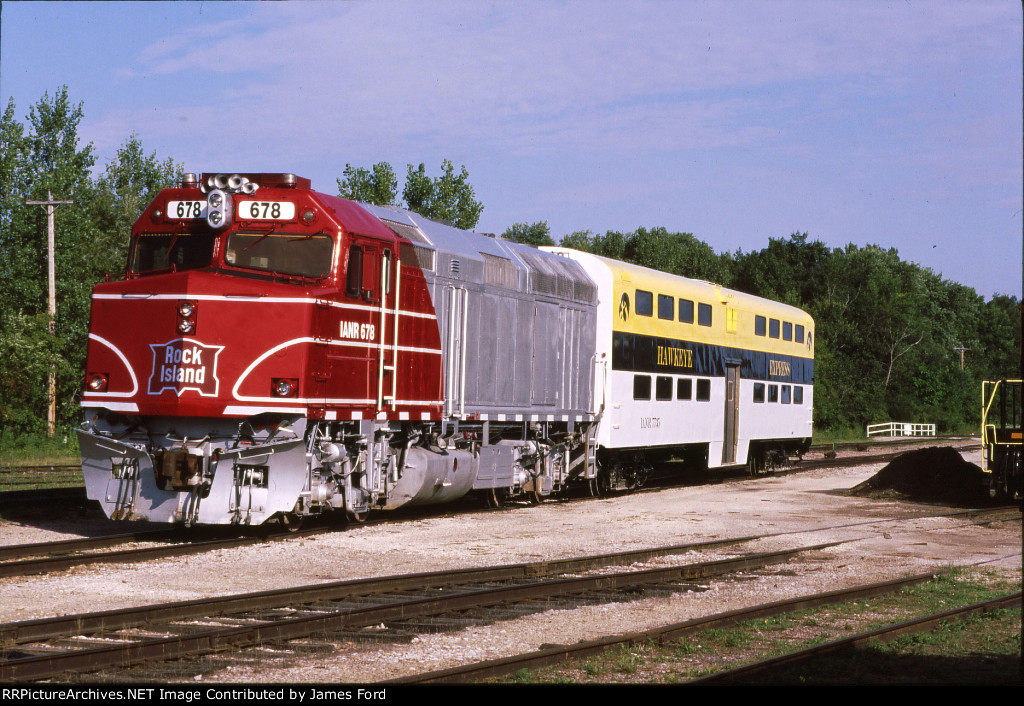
(546, 272)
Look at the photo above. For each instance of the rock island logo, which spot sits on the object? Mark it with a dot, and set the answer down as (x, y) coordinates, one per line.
(184, 364)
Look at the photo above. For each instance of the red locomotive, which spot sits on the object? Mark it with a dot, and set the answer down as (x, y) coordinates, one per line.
(276, 351)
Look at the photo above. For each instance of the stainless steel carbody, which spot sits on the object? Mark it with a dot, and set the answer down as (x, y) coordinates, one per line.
(518, 325)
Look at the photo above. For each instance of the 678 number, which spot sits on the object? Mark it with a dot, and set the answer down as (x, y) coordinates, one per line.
(264, 209)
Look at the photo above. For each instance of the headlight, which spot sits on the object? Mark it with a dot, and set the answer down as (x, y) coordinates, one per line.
(219, 208)
(97, 382)
(186, 326)
(186, 308)
(284, 387)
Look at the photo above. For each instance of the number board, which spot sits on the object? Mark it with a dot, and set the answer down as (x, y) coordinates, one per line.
(186, 209)
(266, 210)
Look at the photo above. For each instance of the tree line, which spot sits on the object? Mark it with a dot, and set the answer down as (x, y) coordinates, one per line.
(889, 333)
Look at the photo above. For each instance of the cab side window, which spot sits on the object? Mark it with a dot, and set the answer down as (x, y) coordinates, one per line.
(354, 276)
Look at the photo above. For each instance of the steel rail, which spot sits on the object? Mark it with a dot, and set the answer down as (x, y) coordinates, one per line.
(10, 552)
(59, 563)
(217, 639)
(563, 653)
(88, 623)
(890, 632)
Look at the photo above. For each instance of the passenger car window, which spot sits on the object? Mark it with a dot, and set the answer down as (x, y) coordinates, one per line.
(644, 303)
(758, 392)
(641, 387)
(686, 311)
(684, 389)
(666, 307)
(704, 314)
(703, 390)
(663, 388)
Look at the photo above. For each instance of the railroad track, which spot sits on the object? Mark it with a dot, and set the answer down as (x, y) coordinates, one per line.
(45, 557)
(889, 632)
(561, 654)
(342, 611)
(47, 648)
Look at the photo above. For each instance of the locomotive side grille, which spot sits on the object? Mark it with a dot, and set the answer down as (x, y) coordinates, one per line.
(565, 288)
(500, 271)
(409, 232)
(558, 276)
(584, 291)
(543, 283)
(417, 256)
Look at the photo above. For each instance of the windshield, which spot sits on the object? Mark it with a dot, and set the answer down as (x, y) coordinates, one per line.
(283, 253)
(161, 251)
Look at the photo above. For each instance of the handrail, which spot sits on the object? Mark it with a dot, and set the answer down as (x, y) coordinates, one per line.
(901, 429)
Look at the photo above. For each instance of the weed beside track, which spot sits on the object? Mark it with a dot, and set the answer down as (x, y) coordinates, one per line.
(982, 650)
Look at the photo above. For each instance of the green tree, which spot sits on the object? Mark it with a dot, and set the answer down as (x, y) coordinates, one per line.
(129, 183)
(44, 160)
(582, 240)
(535, 234)
(377, 185)
(91, 236)
(678, 253)
(449, 197)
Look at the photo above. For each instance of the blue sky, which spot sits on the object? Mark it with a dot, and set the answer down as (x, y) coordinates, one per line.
(895, 123)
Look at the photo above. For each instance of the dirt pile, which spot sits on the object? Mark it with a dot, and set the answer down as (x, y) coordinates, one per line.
(935, 475)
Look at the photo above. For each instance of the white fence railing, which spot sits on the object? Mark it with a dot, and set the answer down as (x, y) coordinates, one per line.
(901, 429)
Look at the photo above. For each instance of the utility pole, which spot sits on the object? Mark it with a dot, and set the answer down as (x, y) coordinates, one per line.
(51, 206)
(961, 349)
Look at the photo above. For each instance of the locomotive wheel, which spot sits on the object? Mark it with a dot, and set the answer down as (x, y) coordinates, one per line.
(603, 483)
(357, 518)
(291, 521)
(754, 464)
(495, 498)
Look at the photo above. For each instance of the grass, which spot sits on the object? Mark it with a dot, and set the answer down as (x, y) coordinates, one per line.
(39, 449)
(979, 650)
(849, 435)
(21, 458)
